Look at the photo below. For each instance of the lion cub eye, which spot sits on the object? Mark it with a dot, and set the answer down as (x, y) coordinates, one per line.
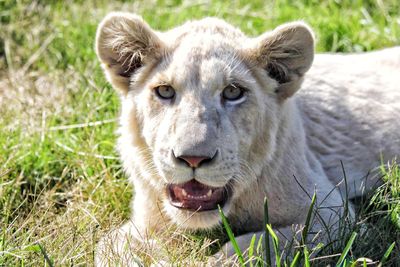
(232, 93)
(165, 92)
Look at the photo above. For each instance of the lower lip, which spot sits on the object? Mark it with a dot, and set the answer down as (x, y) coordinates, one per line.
(196, 206)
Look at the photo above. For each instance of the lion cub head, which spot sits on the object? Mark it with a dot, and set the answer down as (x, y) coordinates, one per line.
(201, 105)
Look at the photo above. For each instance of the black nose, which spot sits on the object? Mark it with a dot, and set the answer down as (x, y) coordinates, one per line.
(194, 161)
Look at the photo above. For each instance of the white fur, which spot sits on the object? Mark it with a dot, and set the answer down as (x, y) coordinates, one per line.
(272, 144)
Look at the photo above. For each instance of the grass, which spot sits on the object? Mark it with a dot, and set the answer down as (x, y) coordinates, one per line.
(61, 184)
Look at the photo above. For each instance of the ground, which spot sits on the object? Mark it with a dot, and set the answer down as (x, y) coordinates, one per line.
(61, 184)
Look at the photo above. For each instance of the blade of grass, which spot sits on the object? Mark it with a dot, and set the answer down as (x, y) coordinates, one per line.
(259, 245)
(308, 220)
(46, 257)
(260, 258)
(266, 240)
(346, 203)
(251, 249)
(295, 259)
(387, 254)
(275, 242)
(346, 249)
(231, 236)
(306, 257)
(33, 248)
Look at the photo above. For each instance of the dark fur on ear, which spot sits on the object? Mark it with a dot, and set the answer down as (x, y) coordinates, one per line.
(286, 54)
(124, 43)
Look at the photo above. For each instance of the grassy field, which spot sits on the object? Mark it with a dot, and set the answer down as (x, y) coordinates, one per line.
(61, 184)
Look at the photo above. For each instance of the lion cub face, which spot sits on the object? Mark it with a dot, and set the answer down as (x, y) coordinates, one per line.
(200, 106)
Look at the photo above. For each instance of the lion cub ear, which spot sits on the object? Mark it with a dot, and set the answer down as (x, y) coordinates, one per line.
(124, 43)
(286, 54)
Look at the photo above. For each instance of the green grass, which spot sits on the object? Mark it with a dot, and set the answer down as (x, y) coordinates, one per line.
(61, 188)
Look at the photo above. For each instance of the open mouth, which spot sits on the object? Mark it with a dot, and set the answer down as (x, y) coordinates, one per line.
(196, 196)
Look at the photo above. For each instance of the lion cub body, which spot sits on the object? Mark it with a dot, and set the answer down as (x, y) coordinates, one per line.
(270, 143)
(350, 104)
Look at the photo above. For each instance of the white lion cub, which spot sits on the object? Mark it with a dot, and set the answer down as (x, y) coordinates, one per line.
(210, 118)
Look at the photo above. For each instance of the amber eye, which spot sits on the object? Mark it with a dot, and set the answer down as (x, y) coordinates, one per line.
(165, 92)
(232, 93)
